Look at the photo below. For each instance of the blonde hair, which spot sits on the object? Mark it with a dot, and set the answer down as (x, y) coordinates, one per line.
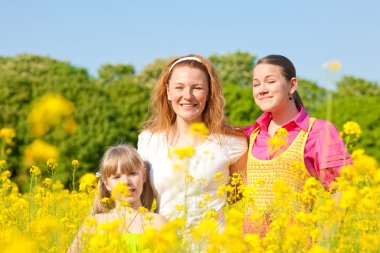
(128, 160)
(163, 116)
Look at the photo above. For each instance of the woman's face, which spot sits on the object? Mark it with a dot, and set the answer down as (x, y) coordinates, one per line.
(188, 92)
(271, 91)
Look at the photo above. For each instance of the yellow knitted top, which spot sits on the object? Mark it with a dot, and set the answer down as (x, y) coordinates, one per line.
(289, 167)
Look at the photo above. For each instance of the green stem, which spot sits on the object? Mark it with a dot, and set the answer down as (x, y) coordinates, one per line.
(73, 180)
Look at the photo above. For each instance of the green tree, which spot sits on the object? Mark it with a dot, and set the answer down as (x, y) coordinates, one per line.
(109, 72)
(149, 75)
(26, 78)
(131, 102)
(235, 68)
(311, 94)
(362, 110)
(353, 86)
(240, 108)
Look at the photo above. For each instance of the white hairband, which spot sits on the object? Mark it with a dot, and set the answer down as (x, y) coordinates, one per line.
(187, 58)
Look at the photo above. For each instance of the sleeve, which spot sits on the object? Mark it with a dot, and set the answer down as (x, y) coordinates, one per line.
(330, 153)
(237, 146)
(142, 145)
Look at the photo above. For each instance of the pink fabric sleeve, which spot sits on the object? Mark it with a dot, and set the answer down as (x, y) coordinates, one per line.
(326, 151)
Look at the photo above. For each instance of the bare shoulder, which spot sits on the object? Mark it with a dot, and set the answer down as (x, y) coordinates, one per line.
(158, 220)
(103, 217)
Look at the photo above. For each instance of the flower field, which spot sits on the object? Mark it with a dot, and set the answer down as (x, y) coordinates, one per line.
(46, 217)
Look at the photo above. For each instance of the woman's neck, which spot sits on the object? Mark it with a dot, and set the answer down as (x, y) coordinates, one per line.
(181, 136)
(130, 207)
(282, 117)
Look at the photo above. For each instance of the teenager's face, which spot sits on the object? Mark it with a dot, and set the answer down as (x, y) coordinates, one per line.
(134, 182)
(188, 92)
(271, 91)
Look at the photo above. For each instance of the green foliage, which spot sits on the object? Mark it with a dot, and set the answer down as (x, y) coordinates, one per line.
(352, 86)
(311, 94)
(131, 102)
(26, 78)
(110, 109)
(234, 67)
(363, 110)
(150, 74)
(240, 108)
(108, 72)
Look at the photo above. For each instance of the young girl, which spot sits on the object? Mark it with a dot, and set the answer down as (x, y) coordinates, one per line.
(124, 175)
(314, 144)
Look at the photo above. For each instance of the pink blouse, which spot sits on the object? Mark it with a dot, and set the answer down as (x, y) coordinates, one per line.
(325, 151)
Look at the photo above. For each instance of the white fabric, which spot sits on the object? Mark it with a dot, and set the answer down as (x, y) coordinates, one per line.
(169, 184)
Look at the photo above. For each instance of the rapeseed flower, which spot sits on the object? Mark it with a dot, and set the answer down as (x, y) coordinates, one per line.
(120, 192)
(51, 110)
(7, 134)
(333, 66)
(199, 129)
(74, 163)
(352, 128)
(278, 141)
(182, 153)
(35, 171)
(87, 181)
(39, 150)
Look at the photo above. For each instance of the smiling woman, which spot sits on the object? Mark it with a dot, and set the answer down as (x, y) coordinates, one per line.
(309, 147)
(188, 92)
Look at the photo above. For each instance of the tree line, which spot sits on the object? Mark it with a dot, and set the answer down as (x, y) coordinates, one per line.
(109, 109)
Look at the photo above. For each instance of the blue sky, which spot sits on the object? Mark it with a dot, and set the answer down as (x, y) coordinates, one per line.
(92, 33)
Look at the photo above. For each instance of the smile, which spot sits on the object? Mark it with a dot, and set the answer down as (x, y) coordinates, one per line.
(188, 105)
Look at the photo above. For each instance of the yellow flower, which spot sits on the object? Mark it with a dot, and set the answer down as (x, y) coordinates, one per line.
(47, 181)
(51, 163)
(88, 180)
(74, 163)
(348, 198)
(5, 175)
(120, 192)
(142, 210)
(3, 163)
(51, 110)
(39, 150)
(352, 128)
(211, 214)
(333, 66)
(282, 132)
(180, 208)
(57, 186)
(189, 179)
(199, 129)
(236, 179)
(369, 242)
(219, 177)
(185, 152)
(7, 134)
(278, 141)
(35, 171)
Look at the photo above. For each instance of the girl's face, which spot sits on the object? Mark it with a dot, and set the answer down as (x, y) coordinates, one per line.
(188, 92)
(271, 90)
(133, 180)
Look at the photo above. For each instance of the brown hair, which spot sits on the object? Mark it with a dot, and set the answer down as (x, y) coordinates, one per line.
(288, 70)
(128, 160)
(163, 116)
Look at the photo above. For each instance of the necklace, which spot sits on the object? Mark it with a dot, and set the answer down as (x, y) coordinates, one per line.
(123, 217)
